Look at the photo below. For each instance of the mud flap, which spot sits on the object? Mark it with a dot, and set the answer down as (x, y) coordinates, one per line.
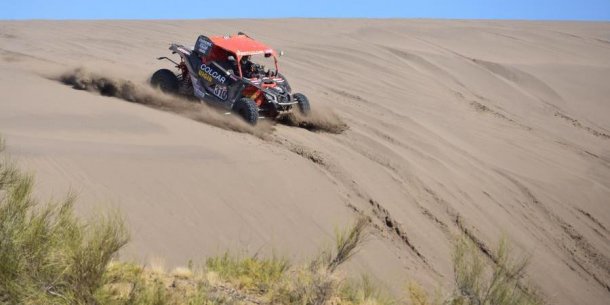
(198, 88)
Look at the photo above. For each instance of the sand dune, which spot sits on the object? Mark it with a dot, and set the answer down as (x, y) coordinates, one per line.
(477, 127)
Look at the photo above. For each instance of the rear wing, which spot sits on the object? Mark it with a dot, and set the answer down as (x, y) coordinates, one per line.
(178, 48)
(211, 71)
(203, 46)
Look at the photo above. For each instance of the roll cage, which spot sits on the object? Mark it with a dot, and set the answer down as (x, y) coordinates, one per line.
(238, 46)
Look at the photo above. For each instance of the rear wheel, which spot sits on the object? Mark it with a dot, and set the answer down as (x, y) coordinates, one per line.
(303, 103)
(247, 109)
(166, 80)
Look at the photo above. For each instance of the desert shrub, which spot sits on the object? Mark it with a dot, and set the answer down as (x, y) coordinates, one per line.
(315, 283)
(48, 256)
(347, 242)
(480, 282)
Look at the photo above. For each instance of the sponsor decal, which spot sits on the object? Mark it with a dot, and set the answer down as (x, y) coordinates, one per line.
(208, 74)
(205, 76)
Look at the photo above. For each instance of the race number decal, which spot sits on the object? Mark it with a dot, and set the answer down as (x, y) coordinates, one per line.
(220, 92)
(203, 45)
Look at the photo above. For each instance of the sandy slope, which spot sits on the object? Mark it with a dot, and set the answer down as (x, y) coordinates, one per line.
(482, 127)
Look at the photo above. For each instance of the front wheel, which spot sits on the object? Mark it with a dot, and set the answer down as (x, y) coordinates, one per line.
(247, 109)
(303, 103)
(286, 85)
(166, 80)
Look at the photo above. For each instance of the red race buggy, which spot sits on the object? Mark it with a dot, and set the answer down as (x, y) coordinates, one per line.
(223, 71)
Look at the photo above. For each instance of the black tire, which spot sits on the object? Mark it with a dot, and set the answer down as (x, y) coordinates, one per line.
(286, 85)
(166, 80)
(247, 109)
(303, 103)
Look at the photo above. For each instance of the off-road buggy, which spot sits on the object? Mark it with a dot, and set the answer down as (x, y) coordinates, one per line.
(220, 71)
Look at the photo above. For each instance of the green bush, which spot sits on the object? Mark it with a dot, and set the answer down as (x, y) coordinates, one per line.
(47, 256)
(479, 282)
(315, 283)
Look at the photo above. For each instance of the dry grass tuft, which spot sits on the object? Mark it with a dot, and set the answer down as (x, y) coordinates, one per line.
(500, 282)
(480, 281)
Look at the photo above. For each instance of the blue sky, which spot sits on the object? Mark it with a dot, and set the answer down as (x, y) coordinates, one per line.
(199, 9)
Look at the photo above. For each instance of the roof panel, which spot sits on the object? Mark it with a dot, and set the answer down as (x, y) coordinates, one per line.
(240, 44)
